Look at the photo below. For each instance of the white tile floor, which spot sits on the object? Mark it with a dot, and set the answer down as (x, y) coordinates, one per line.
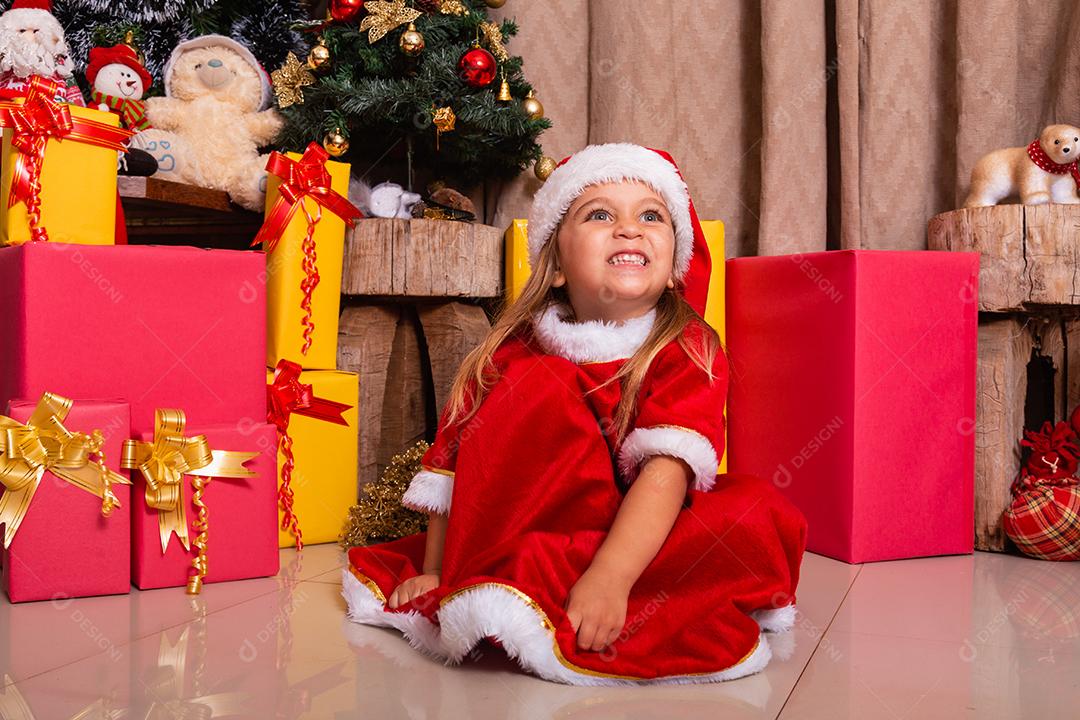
(983, 636)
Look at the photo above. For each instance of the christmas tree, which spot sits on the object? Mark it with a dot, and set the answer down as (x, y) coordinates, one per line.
(267, 27)
(424, 87)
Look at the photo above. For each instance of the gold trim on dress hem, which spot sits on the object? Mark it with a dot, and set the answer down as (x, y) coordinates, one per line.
(440, 471)
(549, 627)
(368, 583)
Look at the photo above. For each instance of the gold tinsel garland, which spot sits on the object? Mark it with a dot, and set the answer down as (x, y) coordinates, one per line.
(380, 516)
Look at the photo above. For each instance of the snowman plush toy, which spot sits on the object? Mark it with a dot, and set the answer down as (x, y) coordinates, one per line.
(119, 81)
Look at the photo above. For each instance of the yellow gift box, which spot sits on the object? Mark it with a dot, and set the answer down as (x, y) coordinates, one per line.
(517, 271)
(285, 273)
(324, 476)
(78, 188)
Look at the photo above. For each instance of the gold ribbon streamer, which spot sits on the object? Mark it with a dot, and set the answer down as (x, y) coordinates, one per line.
(44, 444)
(164, 462)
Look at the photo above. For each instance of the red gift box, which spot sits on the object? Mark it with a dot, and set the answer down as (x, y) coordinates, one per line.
(64, 547)
(158, 326)
(242, 534)
(853, 389)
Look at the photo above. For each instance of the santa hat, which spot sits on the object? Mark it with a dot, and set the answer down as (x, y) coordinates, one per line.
(212, 41)
(619, 162)
(116, 55)
(39, 11)
(45, 5)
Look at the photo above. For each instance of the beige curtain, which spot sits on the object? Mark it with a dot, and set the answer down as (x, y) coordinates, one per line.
(804, 125)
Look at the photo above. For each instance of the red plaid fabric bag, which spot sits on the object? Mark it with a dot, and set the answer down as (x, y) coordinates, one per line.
(1044, 516)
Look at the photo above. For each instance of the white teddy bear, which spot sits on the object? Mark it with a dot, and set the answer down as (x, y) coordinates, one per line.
(214, 118)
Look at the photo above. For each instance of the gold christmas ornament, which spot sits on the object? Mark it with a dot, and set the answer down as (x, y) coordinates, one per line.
(504, 91)
(380, 516)
(533, 106)
(288, 81)
(336, 143)
(129, 40)
(444, 119)
(544, 167)
(493, 36)
(453, 7)
(412, 41)
(383, 16)
(495, 4)
(319, 56)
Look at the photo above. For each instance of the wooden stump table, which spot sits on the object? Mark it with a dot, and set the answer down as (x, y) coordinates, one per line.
(414, 306)
(1029, 299)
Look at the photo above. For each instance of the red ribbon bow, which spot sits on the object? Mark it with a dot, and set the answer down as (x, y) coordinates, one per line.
(286, 396)
(33, 122)
(306, 177)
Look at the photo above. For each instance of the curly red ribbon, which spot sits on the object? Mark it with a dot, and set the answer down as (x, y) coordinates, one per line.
(286, 396)
(33, 122)
(306, 177)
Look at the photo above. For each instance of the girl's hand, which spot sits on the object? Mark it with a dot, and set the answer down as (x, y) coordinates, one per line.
(412, 588)
(597, 610)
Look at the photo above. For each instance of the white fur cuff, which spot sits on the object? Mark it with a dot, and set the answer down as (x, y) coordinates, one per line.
(683, 443)
(429, 492)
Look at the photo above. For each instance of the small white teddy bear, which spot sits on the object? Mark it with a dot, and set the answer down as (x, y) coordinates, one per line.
(1045, 171)
(385, 200)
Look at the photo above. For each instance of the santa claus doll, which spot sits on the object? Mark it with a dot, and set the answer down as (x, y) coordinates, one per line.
(32, 43)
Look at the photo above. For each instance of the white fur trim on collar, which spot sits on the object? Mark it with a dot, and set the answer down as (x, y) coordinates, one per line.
(592, 340)
(429, 492)
(683, 443)
(209, 41)
(612, 162)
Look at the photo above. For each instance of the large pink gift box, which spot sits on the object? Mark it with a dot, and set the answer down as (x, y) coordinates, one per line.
(172, 327)
(853, 390)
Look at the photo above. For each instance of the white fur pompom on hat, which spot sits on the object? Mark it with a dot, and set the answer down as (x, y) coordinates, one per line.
(210, 41)
(608, 163)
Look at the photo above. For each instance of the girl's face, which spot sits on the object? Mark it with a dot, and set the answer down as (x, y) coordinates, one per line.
(616, 248)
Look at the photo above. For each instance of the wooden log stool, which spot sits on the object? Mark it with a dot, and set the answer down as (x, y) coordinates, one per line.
(417, 298)
(1029, 301)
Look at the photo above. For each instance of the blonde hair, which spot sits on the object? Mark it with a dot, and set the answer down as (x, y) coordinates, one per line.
(673, 314)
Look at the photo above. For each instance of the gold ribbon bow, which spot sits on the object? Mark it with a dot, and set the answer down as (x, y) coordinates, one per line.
(165, 461)
(44, 444)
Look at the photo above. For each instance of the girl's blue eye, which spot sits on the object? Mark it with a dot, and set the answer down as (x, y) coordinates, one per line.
(652, 216)
(595, 213)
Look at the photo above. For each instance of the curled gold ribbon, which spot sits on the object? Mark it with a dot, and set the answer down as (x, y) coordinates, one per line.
(44, 444)
(164, 462)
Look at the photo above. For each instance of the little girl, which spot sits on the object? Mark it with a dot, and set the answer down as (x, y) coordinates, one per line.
(576, 514)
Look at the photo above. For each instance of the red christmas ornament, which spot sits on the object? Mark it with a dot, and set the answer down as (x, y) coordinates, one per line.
(345, 10)
(477, 67)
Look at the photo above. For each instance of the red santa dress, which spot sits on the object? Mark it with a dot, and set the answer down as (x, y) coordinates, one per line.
(532, 484)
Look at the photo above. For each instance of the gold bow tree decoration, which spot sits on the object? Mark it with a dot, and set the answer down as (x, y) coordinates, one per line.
(44, 444)
(164, 462)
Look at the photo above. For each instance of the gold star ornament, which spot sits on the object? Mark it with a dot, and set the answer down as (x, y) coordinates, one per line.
(384, 16)
(288, 81)
(494, 38)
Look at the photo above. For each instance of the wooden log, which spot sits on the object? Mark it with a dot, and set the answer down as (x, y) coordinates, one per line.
(423, 258)
(1028, 254)
(451, 331)
(1004, 350)
(404, 420)
(365, 343)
